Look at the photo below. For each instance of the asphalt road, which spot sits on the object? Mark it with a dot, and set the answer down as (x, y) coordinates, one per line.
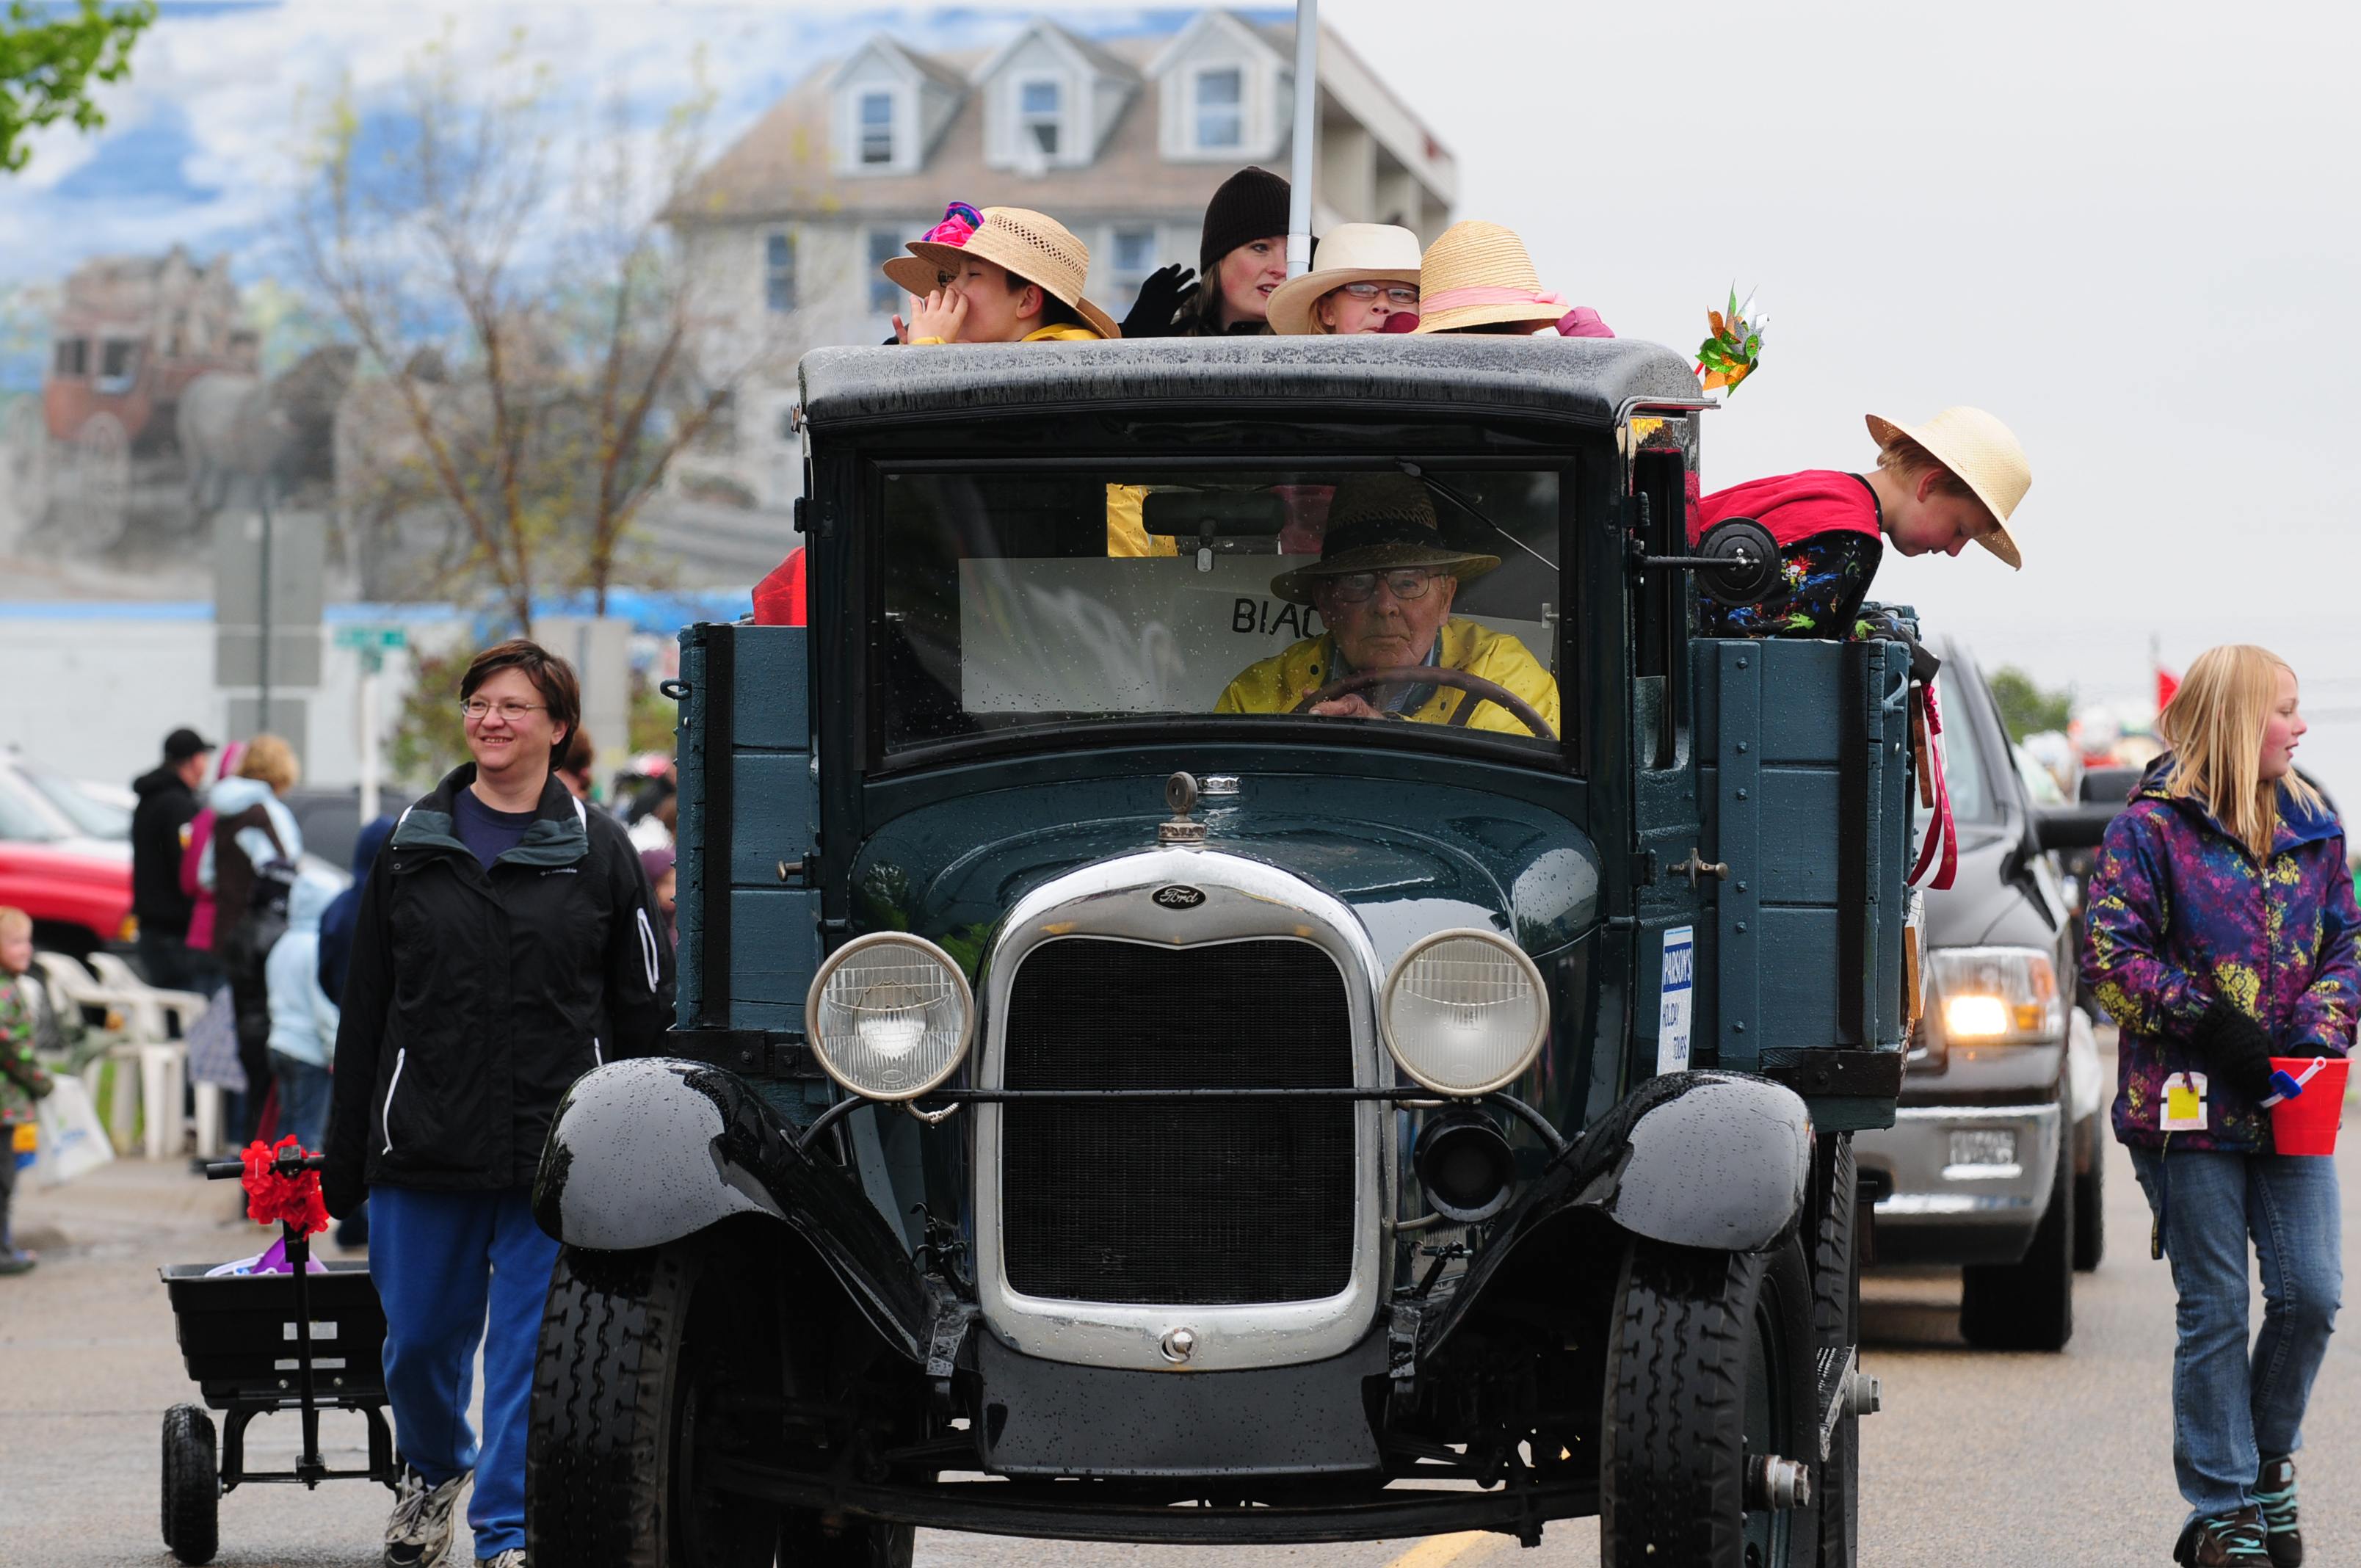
(1994, 1460)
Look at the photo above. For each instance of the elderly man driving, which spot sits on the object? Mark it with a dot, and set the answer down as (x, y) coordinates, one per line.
(1383, 585)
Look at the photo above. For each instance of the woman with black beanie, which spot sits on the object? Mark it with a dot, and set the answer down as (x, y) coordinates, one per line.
(1243, 256)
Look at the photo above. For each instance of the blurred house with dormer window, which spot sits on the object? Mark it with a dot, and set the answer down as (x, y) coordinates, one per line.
(1123, 139)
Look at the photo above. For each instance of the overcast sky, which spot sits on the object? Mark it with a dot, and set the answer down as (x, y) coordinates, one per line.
(2128, 231)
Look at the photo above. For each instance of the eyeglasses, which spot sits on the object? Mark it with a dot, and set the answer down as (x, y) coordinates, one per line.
(478, 709)
(1400, 295)
(1357, 588)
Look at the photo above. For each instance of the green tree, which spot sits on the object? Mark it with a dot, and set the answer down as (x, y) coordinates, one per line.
(429, 737)
(51, 64)
(2025, 707)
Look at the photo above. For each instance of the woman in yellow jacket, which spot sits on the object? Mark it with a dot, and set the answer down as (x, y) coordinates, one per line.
(1383, 585)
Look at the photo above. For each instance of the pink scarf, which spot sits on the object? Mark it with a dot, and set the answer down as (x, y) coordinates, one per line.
(1580, 321)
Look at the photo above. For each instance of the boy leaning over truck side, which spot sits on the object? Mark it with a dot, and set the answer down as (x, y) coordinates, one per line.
(1937, 485)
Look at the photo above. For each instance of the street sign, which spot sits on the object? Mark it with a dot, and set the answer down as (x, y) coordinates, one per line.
(372, 637)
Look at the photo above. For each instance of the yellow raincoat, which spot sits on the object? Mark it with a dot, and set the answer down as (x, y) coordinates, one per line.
(1277, 684)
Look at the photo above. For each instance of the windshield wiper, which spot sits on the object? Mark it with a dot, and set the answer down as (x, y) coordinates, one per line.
(1464, 504)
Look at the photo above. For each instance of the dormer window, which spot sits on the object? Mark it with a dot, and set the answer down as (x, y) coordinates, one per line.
(876, 128)
(1218, 112)
(1040, 115)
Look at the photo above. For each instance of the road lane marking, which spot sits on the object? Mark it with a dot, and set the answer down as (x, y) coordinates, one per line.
(1437, 1550)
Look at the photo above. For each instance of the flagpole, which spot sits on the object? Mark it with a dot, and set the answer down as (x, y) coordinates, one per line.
(1307, 111)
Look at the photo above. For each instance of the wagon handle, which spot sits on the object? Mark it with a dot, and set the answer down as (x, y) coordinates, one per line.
(310, 1467)
(287, 1163)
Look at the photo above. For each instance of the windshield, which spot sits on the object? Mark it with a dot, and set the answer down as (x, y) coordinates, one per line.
(1017, 600)
(28, 817)
(92, 817)
(1963, 761)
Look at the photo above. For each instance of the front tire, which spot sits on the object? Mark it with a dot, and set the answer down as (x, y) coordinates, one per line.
(1710, 1372)
(1836, 1325)
(650, 1362)
(2091, 1204)
(192, 1485)
(2030, 1304)
(631, 1352)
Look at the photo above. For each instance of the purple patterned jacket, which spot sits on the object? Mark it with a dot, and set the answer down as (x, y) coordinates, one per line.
(2181, 914)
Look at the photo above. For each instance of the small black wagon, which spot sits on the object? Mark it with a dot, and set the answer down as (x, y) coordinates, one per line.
(258, 1343)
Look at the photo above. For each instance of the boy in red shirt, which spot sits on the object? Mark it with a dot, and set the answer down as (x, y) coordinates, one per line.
(1937, 485)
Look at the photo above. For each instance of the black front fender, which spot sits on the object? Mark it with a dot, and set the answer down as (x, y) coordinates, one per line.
(648, 1151)
(1717, 1160)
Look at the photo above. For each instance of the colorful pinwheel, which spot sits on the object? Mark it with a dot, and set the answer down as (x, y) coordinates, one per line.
(1731, 354)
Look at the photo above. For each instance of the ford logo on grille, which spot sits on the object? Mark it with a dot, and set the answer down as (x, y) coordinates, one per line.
(1177, 897)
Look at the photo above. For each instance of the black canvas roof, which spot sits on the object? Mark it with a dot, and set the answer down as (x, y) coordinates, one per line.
(1585, 379)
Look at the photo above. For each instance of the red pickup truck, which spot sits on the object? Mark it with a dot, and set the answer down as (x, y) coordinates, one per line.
(76, 887)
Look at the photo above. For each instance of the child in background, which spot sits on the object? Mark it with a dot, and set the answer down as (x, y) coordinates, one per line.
(1936, 487)
(22, 1079)
(303, 1016)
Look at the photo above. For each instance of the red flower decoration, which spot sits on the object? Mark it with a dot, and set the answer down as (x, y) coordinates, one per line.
(273, 1199)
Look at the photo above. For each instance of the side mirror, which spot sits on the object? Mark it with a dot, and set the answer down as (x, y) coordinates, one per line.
(2073, 827)
(1737, 562)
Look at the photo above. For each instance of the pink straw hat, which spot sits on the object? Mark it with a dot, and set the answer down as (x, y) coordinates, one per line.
(1477, 274)
(1033, 246)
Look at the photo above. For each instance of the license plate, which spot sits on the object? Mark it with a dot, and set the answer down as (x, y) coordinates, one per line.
(1983, 1149)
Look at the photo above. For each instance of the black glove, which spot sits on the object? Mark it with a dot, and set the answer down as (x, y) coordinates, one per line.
(342, 1189)
(1161, 294)
(2236, 1047)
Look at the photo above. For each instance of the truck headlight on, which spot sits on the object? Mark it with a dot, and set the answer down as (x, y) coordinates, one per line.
(890, 1015)
(1463, 1012)
(1998, 996)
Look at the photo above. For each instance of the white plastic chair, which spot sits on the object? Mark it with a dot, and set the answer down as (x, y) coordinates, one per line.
(110, 985)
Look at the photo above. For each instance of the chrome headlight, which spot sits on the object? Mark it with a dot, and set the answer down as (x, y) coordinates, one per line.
(1996, 996)
(890, 1015)
(1464, 1012)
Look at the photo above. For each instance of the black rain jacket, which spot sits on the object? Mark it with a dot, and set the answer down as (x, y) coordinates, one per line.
(477, 998)
(166, 807)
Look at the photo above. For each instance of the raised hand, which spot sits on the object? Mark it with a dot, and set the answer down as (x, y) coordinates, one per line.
(1161, 294)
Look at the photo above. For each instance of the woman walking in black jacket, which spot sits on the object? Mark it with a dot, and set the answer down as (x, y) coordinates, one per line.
(506, 944)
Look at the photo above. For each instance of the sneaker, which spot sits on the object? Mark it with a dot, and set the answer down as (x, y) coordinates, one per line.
(512, 1558)
(13, 1262)
(2275, 1495)
(419, 1533)
(2225, 1540)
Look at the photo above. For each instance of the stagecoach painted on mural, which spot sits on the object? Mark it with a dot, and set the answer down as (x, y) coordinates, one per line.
(129, 338)
(1155, 1064)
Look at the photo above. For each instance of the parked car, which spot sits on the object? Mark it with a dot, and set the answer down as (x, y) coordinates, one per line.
(1994, 1161)
(77, 887)
(96, 810)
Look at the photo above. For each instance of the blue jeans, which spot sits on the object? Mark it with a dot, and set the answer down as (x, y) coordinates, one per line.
(303, 1092)
(2234, 1408)
(442, 1260)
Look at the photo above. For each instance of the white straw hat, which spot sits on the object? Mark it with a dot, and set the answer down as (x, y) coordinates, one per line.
(1349, 253)
(1033, 246)
(1983, 452)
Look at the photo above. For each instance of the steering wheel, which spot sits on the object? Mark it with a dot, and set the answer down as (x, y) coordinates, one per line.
(1480, 691)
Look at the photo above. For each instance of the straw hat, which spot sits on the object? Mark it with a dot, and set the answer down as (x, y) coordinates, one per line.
(1349, 253)
(1377, 522)
(1981, 452)
(1035, 246)
(1477, 274)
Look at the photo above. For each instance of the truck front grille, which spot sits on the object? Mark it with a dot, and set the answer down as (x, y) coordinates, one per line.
(1169, 1201)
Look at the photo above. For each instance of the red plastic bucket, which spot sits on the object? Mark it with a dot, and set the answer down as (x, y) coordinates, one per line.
(2308, 1123)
